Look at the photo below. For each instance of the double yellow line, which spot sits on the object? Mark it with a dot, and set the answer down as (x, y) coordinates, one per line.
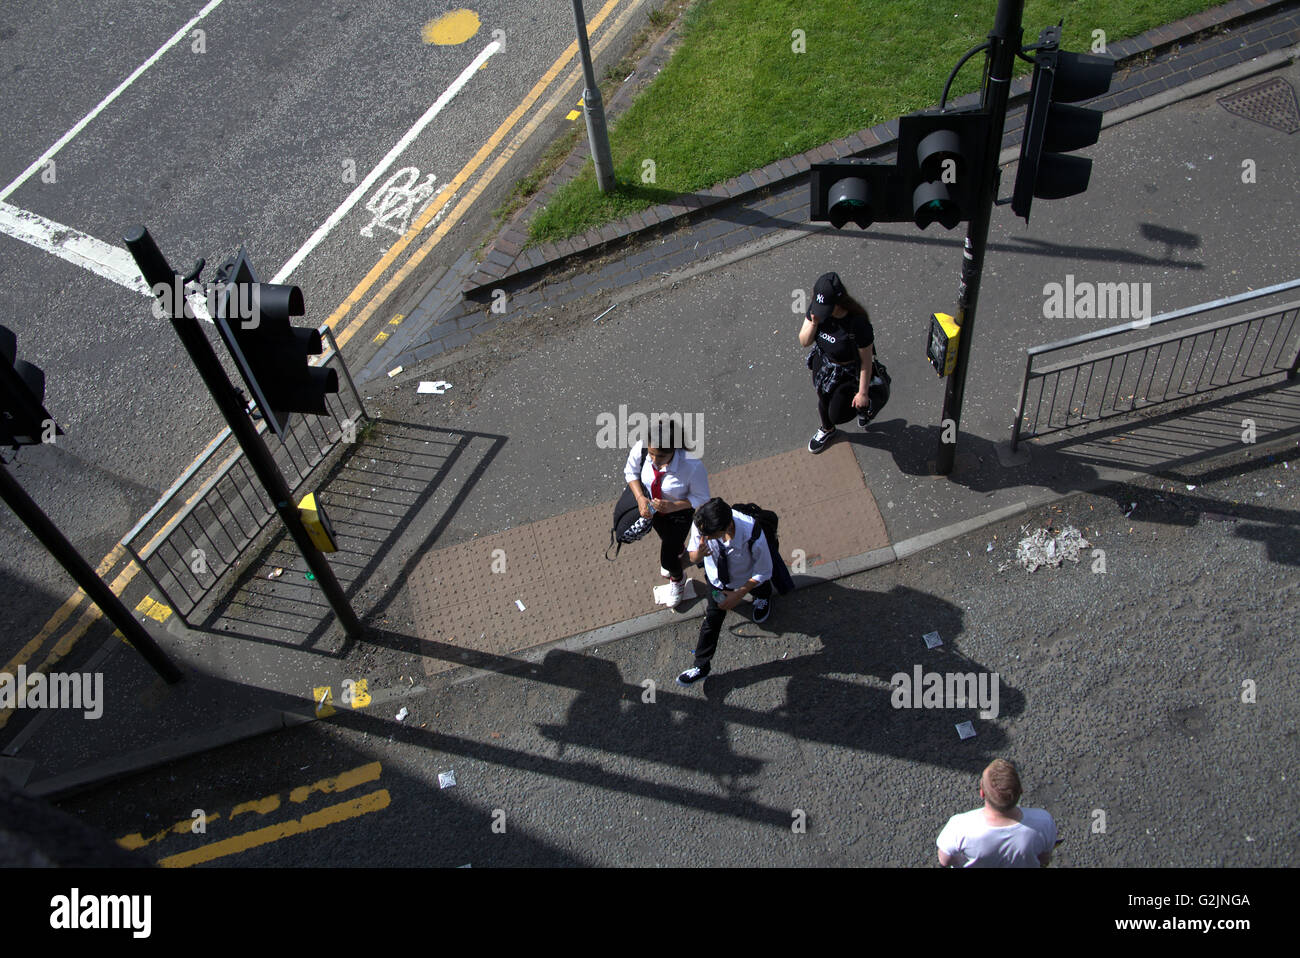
(467, 171)
(363, 288)
(353, 808)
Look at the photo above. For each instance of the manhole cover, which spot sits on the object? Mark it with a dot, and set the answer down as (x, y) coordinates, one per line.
(1272, 103)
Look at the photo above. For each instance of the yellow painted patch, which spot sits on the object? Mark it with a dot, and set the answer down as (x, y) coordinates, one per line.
(380, 337)
(323, 696)
(373, 802)
(154, 610)
(360, 694)
(451, 28)
(396, 320)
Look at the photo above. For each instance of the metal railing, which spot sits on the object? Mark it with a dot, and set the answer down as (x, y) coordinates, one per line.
(224, 508)
(1128, 378)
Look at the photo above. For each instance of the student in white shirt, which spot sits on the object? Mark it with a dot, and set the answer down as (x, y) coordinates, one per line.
(737, 561)
(999, 835)
(669, 487)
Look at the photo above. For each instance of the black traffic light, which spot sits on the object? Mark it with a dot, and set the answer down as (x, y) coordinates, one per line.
(941, 159)
(856, 191)
(23, 419)
(253, 319)
(1053, 129)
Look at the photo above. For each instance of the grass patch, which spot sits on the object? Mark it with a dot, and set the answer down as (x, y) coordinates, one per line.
(737, 96)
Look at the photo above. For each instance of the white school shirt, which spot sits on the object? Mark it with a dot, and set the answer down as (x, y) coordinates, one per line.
(684, 478)
(743, 563)
(1009, 846)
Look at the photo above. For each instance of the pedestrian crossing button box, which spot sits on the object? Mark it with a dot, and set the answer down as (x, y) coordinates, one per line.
(318, 524)
(941, 348)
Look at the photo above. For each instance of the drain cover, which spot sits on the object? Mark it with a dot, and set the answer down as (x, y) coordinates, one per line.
(1272, 103)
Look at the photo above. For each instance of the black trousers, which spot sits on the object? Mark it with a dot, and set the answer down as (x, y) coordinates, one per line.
(673, 529)
(836, 406)
(707, 643)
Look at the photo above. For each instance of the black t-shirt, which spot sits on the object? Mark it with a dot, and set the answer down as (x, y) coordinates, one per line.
(840, 339)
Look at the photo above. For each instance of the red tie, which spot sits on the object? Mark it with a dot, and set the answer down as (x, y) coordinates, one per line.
(655, 491)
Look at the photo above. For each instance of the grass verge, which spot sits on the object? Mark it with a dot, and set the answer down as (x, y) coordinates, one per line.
(757, 80)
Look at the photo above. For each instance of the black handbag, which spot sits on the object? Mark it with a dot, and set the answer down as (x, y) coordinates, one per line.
(878, 390)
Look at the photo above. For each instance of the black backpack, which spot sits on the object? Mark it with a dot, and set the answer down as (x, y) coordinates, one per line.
(766, 522)
(629, 524)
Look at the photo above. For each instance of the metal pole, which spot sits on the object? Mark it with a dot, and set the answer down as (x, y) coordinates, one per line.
(1004, 42)
(49, 535)
(594, 109)
(165, 282)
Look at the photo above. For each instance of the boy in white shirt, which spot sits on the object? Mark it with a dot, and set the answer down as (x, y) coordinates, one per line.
(737, 561)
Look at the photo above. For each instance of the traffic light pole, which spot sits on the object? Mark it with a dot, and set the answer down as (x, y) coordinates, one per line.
(26, 509)
(159, 275)
(1004, 43)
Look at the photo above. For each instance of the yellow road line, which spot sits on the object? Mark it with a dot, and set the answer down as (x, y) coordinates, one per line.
(340, 783)
(472, 196)
(374, 802)
(91, 615)
(184, 826)
(263, 806)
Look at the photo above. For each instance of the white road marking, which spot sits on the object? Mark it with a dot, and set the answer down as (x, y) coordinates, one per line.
(396, 200)
(364, 186)
(112, 263)
(177, 37)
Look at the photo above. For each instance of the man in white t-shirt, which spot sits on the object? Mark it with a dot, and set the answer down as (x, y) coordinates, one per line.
(999, 835)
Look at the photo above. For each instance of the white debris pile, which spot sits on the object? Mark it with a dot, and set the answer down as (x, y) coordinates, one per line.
(1050, 547)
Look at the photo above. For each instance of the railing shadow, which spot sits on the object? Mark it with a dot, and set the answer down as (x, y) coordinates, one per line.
(373, 496)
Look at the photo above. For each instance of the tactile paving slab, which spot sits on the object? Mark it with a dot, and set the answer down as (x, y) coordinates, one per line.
(470, 595)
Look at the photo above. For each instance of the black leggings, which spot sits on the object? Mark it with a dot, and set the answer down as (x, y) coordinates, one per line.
(673, 528)
(837, 406)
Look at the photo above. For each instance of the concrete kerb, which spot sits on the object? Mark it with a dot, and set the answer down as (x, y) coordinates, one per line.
(102, 773)
(1152, 42)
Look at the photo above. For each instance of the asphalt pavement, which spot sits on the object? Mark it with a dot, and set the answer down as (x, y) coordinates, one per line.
(1122, 698)
(1168, 206)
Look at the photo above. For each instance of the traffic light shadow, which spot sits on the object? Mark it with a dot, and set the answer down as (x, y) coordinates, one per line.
(1172, 240)
(1032, 246)
(395, 480)
(566, 670)
(680, 729)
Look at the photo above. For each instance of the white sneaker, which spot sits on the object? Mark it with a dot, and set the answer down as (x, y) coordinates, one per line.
(665, 573)
(675, 592)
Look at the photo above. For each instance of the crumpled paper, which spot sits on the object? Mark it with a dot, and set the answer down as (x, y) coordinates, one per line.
(1048, 547)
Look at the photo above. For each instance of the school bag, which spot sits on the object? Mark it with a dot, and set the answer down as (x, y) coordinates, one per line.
(629, 524)
(766, 522)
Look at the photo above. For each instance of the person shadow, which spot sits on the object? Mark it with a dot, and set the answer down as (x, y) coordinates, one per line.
(850, 692)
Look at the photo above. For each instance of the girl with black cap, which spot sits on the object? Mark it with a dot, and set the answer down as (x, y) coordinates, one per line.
(839, 330)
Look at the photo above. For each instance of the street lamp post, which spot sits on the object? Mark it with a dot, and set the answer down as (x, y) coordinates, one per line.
(593, 109)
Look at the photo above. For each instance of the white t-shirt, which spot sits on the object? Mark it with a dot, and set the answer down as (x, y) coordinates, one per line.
(968, 836)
